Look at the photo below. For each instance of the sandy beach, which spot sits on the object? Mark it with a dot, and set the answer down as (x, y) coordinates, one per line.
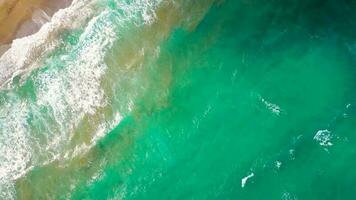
(19, 18)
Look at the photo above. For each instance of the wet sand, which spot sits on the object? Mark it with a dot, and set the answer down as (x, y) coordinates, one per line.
(19, 18)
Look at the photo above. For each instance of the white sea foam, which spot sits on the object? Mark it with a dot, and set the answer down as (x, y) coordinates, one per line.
(66, 94)
(75, 91)
(25, 53)
(274, 108)
(288, 196)
(18, 148)
(323, 137)
(245, 179)
(15, 152)
(348, 105)
(104, 127)
(278, 164)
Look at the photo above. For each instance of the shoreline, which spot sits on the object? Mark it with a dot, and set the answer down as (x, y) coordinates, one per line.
(20, 18)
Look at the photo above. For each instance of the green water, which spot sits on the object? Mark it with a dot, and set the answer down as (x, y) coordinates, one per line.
(232, 99)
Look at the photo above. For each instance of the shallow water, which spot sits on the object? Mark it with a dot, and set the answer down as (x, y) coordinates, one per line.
(182, 100)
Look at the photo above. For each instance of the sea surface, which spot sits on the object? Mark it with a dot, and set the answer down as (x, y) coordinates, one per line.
(182, 99)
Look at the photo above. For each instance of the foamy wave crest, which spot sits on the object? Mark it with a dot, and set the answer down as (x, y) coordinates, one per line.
(25, 53)
(15, 152)
(37, 130)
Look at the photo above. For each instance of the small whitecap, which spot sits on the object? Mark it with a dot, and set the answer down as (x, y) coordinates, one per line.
(288, 196)
(323, 137)
(245, 179)
(348, 106)
(274, 108)
(291, 154)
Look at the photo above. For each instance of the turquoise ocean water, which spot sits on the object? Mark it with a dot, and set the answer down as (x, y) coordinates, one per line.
(179, 99)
